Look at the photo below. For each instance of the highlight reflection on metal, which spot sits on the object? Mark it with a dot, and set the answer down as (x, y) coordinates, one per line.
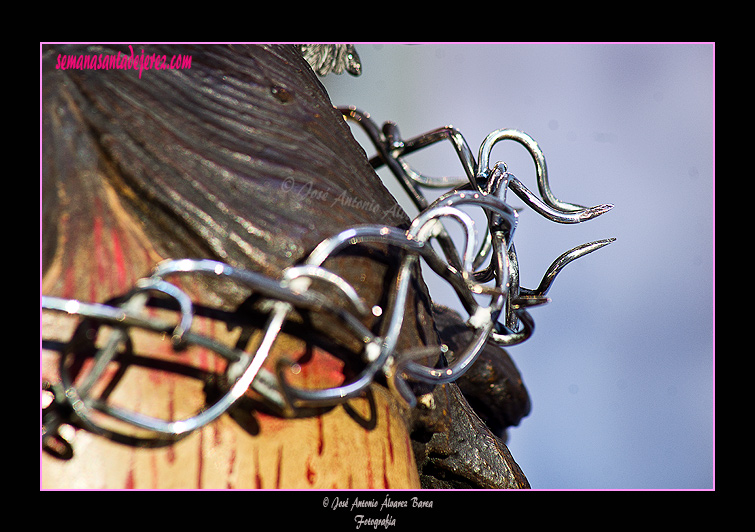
(504, 319)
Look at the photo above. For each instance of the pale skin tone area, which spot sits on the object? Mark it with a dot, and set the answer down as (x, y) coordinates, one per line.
(328, 451)
(363, 444)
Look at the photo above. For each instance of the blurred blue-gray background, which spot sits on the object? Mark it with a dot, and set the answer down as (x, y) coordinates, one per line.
(620, 368)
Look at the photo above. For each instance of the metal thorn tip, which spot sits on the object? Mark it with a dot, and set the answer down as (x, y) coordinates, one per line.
(596, 211)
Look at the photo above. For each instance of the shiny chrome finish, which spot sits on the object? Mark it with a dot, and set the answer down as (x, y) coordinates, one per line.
(504, 319)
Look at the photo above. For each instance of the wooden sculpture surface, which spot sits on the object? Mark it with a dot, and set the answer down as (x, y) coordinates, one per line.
(209, 162)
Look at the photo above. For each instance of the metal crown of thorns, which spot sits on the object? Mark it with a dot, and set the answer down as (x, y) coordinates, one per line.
(504, 321)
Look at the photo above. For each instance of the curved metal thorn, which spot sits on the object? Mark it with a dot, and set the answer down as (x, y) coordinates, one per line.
(537, 155)
(566, 258)
(555, 214)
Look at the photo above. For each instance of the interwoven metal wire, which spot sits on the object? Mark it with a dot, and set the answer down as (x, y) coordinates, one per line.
(477, 268)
